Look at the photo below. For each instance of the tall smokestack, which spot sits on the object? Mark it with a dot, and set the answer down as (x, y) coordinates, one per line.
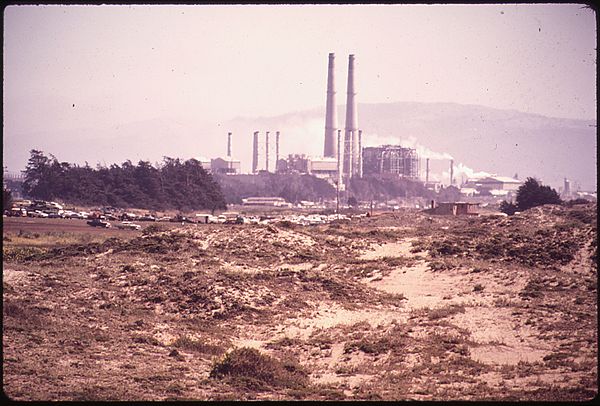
(267, 152)
(451, 171)
(351, 130)
(427, 171)
(255, 153)
(276, 149)
(340, 157)
(360, 166)
(330, 149)
(229, 144)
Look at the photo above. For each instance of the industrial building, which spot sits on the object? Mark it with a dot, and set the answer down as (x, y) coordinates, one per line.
(454, 208)
(325, 168)
(295, 163)
(390, 160)
(227, 165)
(204, 162)
(494, 185)
(265, 201)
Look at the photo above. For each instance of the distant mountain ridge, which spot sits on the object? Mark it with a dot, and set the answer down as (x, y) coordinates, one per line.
(504, 142)
(478, 138)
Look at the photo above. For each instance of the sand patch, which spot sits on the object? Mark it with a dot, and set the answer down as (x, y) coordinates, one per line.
(392, 249)
(502, 340)
(328, 315)
(13, 275)
(422, 287)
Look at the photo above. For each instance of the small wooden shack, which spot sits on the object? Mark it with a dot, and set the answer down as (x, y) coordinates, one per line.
(455, 209)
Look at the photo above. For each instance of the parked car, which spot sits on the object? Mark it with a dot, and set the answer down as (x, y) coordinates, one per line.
(98, 223)
(17, 212)
(181, 219)
(129, 216)
(37, 213)
(128, 225)
(68, 214)
(147, 217)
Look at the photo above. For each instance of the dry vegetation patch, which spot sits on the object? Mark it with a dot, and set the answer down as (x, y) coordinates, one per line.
(161, 315)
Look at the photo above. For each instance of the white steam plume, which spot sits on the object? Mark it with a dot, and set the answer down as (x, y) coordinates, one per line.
(409, 142)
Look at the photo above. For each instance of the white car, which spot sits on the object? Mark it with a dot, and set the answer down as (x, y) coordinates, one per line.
(128, 225)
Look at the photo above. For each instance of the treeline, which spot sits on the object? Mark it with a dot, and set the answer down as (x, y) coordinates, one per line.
(292, 187)
(380, 188)
(174, 184)
(296, 187)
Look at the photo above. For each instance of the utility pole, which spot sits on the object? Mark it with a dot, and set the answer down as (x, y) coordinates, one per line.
(337, 199)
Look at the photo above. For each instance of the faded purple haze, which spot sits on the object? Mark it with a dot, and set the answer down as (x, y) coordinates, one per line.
(72, 68)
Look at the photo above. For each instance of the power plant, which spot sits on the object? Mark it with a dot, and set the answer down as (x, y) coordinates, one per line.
(391, 160)
(344, 155)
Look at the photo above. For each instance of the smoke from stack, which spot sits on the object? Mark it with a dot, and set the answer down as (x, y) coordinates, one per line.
(255, 153)
(330, 148)
(451, 171)
(267, 152)
(229, 144)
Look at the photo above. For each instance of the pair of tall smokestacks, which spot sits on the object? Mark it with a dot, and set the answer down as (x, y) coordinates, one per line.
(350, 153)
(255, 151)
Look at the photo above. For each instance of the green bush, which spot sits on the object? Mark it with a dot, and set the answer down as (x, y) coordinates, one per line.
(249, 368)
(508, 207)
(532, 194)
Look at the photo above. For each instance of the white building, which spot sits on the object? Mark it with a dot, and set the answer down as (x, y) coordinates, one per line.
(228, 165)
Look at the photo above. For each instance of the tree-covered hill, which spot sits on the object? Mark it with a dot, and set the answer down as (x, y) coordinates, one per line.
(175, 184)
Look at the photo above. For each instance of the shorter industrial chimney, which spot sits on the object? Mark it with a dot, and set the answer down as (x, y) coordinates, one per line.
(229, 144)
(267, 152)
(427, 171)
(255, 153)
(567, 188)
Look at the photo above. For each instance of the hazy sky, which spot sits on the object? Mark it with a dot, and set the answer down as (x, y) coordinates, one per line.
(69, 67)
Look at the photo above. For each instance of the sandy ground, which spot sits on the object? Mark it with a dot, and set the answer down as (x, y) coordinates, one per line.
(388, 309)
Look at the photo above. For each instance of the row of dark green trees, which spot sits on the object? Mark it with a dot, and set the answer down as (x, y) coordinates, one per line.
(173, 184)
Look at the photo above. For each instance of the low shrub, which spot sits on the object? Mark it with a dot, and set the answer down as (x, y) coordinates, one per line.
(447, 311)
(21, 253)
(189, 344)
(249, 368)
